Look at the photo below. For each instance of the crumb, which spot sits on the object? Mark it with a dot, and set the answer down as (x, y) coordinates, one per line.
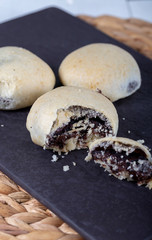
(54, 158)
(44, 147)
(129, 131)
(2, 125)
(141, 141)
(123, 118)
(66, 168)
(74, 163)
(62, 156)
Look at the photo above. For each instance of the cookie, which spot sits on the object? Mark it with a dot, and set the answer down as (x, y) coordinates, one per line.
(102, 66)
(23, 78)
(68, 118)
(123, 158)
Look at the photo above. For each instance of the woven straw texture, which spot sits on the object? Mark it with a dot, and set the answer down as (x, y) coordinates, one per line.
(23, 217)
(132, 32)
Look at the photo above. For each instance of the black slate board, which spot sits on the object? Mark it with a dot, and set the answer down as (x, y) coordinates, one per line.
(96, 205)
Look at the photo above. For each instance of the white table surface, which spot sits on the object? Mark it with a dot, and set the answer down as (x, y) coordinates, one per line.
(142, 9)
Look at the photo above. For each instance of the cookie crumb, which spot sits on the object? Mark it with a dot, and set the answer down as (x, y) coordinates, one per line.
(66, 168)
(141, 141)
(129, 131)
(44, 147)
(2, 125)
(123, 118)
(74, 163)
(54, 158)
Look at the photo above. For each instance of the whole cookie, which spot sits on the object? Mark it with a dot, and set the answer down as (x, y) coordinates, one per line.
(69, 118)
(102, 66)
(23, 78)
(124, 158)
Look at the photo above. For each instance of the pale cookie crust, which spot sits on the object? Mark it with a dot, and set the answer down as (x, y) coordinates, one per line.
(102, 66)
(70, 105)
(23, 78)
(124, 158)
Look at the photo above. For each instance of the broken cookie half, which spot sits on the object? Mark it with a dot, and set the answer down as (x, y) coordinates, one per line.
(123, 158)
(69, 118)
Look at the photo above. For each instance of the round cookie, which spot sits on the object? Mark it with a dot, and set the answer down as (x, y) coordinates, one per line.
(124, 158)
(68, 118)
(102, 66)
(23, 78)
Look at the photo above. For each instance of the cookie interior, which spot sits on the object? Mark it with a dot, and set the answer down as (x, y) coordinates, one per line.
(123, 161)
(75, 127)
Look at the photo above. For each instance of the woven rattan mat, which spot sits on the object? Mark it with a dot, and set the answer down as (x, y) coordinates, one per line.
(133, 32)
(23, 217)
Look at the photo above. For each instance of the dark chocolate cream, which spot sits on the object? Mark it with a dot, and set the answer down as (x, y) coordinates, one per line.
(85, 124)
(5, 102)
(124, 162)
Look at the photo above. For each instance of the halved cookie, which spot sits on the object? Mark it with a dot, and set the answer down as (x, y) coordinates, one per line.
(102, 66)
(124, 158)
(69, 118)
(23, 78)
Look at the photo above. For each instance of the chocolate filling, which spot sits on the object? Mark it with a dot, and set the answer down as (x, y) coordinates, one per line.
(134, 164)
(78, 127)
(132, 86)
(5, 102)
